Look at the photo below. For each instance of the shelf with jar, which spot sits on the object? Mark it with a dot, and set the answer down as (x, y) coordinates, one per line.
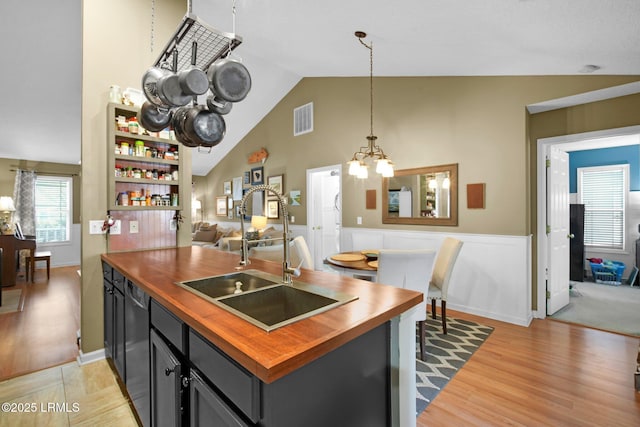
(142, 164)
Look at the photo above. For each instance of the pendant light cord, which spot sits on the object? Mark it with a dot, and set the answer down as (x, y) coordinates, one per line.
(370, 47)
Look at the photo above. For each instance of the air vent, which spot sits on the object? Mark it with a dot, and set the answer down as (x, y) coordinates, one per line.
(303, 119)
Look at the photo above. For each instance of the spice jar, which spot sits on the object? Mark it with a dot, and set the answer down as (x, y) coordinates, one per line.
(133, 126)
(139, 148)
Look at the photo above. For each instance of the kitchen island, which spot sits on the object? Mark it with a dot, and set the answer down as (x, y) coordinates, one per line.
(335, 341)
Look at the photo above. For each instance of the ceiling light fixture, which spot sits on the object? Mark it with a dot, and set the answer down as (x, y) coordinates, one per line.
(357, 165)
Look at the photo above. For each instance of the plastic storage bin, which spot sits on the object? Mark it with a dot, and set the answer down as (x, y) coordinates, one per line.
(609, 273)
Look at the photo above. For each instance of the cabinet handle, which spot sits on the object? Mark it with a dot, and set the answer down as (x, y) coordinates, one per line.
(168, 371)
(185, 382)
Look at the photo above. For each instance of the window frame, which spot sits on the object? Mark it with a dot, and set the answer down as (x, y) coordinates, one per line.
(624, 167)
(69, 211)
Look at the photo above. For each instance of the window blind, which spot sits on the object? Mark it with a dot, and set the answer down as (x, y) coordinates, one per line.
(53, 209)
(602, 191)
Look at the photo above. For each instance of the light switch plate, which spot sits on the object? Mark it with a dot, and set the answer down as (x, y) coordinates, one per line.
(116, 228)
(133, 227)
(359, 220)
(95, 227)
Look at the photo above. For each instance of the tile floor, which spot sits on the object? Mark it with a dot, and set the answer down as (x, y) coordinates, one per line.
(65, 395)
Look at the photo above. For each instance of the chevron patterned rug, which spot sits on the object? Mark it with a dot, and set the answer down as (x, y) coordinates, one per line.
(446, 355)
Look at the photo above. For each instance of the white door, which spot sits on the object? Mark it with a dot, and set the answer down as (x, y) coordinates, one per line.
(324, 214)
(558, 226)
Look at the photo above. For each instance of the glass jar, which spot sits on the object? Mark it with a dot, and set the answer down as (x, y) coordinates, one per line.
(139, 148)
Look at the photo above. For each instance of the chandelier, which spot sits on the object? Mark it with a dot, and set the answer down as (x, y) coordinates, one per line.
(358, 164)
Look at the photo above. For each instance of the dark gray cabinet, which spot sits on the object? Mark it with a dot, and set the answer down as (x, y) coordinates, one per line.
(114, 321)
(206, 407)
(167, 379)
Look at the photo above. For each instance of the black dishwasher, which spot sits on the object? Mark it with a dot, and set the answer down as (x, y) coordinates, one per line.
(136, 308)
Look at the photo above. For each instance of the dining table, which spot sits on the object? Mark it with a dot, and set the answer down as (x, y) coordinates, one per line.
(359, 264)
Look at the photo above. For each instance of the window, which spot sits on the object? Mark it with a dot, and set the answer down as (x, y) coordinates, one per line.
(603, 191)
(53, 209)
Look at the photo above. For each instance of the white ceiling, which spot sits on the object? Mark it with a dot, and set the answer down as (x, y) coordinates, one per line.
(286, 40)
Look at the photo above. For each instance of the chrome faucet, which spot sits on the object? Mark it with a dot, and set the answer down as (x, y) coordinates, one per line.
(287, 270)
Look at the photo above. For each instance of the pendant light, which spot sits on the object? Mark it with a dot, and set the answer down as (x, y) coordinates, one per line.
(358, 164)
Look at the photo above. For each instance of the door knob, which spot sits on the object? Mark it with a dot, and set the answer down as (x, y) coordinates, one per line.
(570, 236)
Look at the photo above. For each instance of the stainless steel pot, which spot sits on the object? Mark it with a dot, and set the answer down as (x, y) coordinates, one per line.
(178, 122)
(229, 80)
(154, 118)
(204, 127)
(150, 85)
(218, 105)
(170, 92)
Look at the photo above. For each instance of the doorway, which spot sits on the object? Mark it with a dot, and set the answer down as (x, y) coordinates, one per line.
(583, 141)
(324, 212)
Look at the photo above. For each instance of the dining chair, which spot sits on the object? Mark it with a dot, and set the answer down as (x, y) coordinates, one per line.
(303, 252)
(408, 269)
(441, 276)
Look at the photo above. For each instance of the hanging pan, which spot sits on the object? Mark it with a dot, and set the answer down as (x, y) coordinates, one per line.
(229, 80)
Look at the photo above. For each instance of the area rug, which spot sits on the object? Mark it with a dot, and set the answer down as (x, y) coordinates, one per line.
(11, 301)
(446, 355)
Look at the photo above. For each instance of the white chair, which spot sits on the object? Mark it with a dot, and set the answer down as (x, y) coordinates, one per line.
(299, 253)
(408, 269)
(303, 252)
(439, 283)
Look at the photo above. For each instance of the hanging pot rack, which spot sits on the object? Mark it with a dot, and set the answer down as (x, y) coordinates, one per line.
(212, 45)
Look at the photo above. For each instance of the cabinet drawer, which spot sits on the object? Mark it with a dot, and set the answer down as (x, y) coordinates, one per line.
(107, 272)
(169, 325)
(238, 385)
(118, 280)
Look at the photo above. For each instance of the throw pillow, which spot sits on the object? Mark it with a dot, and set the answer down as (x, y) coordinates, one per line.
(205, 236)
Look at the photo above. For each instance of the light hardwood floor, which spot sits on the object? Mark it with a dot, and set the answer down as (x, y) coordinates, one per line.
(549, 374)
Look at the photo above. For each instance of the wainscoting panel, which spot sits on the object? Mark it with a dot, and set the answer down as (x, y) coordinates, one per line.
(492, 276)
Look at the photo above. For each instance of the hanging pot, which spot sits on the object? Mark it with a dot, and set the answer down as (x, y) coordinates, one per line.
(218, 105)
(170, 92)
(150, 85)
(205, 127)
(153, 118)
(178, 122)
(229, 80)
(193, 81)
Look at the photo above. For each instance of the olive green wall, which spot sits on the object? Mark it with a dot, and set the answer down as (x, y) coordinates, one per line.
(8, 177)
(481, 123)
(116, 49)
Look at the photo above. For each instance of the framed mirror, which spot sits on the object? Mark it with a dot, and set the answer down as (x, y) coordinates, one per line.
(421, 196)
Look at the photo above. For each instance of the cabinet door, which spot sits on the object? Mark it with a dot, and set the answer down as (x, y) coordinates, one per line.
(207, 408)
(118, 332)
(166, 378)
(107, 303)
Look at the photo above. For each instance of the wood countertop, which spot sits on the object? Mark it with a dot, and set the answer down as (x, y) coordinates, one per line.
(268, 355)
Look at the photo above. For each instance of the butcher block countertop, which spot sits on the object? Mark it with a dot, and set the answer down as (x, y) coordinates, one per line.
(268, 355)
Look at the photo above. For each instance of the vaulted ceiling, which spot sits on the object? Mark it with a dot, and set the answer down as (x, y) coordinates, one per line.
(286, 40)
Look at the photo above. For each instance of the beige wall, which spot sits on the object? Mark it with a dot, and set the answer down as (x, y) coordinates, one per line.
(480, 123)
(8, 177)
(116, 50)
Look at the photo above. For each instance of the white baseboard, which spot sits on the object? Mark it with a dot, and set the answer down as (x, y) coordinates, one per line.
(94, 356)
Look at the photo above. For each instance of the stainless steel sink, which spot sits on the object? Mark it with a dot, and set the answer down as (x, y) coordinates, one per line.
(263, 300)
(219, 286)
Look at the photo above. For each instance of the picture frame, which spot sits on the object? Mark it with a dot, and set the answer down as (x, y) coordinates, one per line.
(276, 181)
(257, 176)
(236, 188)
(247, 178)
(273, 209)
(296, 198)
(226, 187)
(221, 206)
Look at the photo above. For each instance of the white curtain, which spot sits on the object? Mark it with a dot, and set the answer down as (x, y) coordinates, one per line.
(24, 199)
